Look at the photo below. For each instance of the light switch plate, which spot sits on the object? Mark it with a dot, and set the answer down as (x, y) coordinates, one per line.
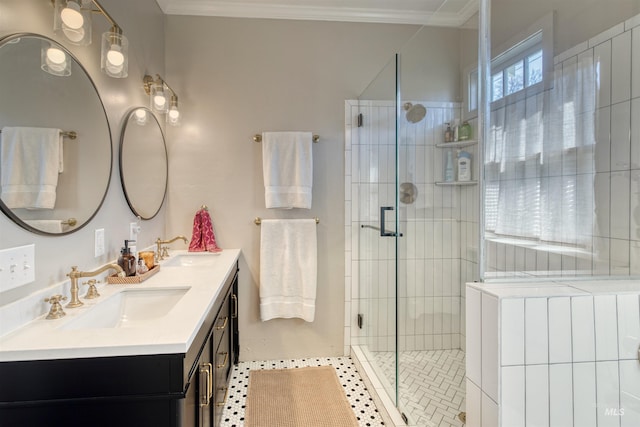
(99, 242)
(17, 266)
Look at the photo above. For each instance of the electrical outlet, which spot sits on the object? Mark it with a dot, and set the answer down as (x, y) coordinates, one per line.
(99, 242)
(17, 266)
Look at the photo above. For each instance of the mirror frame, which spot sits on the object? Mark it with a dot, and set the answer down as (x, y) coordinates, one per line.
(6, 210)
(130, 202)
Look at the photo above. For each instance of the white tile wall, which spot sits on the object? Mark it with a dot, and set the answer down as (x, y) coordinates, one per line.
(591, 376)
(560, 330)
(560, 395)
(583, 336)
(430, 265)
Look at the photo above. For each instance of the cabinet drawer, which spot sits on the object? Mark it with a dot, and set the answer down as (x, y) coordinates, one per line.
(221, 324)
(223, 363)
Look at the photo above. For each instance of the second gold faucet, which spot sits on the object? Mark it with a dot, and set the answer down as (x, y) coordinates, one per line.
(163, 252)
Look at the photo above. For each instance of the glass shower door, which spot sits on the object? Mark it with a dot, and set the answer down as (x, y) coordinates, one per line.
(376, 210)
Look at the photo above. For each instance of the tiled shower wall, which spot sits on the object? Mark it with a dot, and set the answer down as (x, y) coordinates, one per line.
(610, 165)
(437, 249)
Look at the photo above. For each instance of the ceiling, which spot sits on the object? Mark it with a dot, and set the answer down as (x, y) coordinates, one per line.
(450, 13)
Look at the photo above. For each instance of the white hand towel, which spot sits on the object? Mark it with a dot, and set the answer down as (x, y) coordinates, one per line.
(46, 225)
(287, 165)
(288, 269)
(30, 161)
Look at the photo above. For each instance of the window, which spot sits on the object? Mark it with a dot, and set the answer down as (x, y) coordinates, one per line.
(524, 66)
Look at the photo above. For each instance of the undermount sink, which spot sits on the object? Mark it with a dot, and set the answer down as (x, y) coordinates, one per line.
(203, 259)
(129, 308)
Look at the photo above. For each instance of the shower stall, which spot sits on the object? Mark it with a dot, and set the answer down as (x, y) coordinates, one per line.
(553, 192)
(413, 233)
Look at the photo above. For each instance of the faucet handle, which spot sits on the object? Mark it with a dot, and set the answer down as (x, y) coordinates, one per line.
(92, 292)
(56, 310)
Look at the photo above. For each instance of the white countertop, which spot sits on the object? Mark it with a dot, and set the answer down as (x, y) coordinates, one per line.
(542, 289)
(43, 339)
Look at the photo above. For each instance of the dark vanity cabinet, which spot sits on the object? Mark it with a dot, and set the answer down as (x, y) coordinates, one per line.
(213, 367)
(172, 390)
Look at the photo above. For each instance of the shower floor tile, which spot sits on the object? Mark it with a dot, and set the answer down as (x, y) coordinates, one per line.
(432, 386)
(357, 394)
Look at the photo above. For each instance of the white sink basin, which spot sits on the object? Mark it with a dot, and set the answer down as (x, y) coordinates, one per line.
(129, 308)
(191, 260)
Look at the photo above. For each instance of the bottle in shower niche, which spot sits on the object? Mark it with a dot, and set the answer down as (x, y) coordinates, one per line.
(464, 166)
(448, 133)
(448, 167)
(464, 133)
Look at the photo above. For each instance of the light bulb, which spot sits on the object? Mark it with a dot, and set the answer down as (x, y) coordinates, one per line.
(56, 56)
(115, 59)
(71, 16)
(141, 116)
(174, 114)
(159, 101)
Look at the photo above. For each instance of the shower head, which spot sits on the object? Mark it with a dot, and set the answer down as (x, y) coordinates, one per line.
(415, 113)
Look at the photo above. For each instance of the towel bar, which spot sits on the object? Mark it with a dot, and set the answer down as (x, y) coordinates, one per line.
(258, 220)
(72, 134)
(258, 138)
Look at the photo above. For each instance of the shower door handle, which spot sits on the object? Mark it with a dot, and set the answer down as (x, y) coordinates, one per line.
(383, 231)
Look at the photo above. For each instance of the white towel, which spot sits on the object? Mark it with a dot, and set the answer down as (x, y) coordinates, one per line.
(46, 225)
(30, 161)
(287, 165)
(288, 269)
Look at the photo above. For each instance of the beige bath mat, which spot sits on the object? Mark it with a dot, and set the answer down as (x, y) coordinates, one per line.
(299, 397)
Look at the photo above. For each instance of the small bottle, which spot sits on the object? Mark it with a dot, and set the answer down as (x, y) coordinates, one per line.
(448, 133)
(456, 131)
(448, 167)
(465, 131)
(464, 166)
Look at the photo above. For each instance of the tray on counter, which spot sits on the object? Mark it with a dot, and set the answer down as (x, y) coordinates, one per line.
(139, 278)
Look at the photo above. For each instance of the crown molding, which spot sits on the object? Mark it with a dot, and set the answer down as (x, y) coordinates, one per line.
(238, 9)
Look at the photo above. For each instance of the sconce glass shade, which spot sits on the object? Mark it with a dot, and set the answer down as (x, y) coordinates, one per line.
(73, 19)
(114, 59)
(54, 60)
(141, 116)
(173, 116)
(158, 98)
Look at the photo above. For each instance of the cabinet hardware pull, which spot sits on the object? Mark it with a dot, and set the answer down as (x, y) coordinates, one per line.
(235, 306)
(226, 358)
(205, 395)
(224, 325)
(226, 391)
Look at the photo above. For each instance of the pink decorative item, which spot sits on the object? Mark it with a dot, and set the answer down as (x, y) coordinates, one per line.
(203, 239)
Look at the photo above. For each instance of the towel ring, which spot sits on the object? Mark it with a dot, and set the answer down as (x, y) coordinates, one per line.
(258, 138)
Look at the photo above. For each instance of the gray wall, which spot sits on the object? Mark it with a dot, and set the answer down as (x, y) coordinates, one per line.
(143, 23)
(239, 77)
(576, 20)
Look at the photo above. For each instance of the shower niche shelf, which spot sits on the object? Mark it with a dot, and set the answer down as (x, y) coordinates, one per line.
(457, 144)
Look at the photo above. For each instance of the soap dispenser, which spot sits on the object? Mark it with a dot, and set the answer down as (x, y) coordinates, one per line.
(127, 261)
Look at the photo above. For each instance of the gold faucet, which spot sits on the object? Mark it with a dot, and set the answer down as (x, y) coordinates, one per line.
(75, 274)
(162, 253)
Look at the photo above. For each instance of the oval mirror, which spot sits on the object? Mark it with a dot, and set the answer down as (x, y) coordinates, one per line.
(143, 163)
(55, 141)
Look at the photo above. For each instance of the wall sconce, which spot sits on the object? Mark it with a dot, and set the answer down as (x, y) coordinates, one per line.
(141, 116)
(73, 19)
(162, 99)
(54, 60)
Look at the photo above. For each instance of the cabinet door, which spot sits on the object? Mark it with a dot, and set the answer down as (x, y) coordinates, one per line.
(235, 336)
(205, 386)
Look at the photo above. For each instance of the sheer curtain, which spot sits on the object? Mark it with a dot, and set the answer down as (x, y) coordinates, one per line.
(539, 160)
